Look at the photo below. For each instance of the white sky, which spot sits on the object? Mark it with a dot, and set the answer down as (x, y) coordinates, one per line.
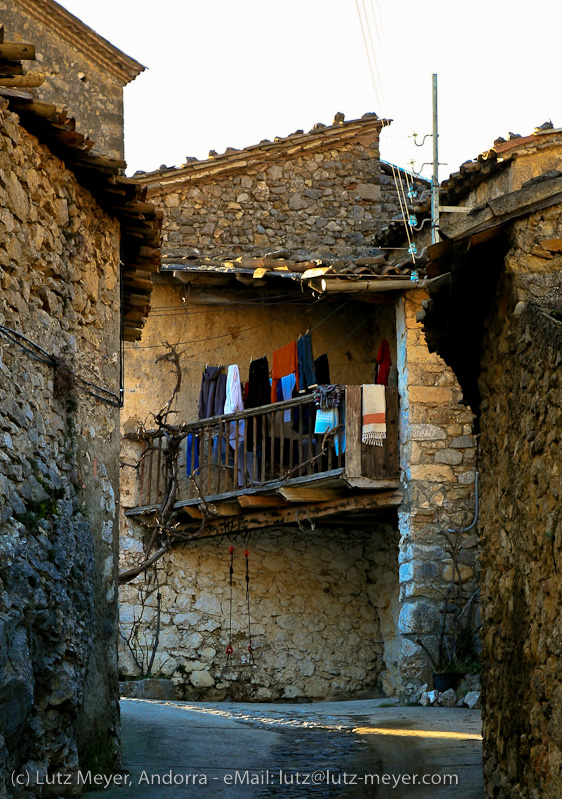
(225, 73)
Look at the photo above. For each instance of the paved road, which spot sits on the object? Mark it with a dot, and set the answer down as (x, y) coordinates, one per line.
(331, 749)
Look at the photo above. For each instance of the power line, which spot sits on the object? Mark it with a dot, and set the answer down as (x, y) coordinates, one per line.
(39, 354)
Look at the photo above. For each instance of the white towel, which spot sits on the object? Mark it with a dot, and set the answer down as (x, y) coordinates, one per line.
(374, 414)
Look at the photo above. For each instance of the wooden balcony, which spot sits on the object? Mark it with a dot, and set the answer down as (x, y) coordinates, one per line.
(270, 456)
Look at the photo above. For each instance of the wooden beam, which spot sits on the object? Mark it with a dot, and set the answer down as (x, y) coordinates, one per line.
(296, 515)
(28, 81)
(257, 501)
(311, 493)
(17, 51)
(225, 508)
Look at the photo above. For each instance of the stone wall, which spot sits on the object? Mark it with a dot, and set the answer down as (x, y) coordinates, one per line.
(438, 457)
(521, 521)
(58, 468)
(73, 78)
(325, 201)
(322, 607)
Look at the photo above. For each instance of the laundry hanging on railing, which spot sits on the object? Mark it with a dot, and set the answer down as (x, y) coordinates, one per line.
(286, 388)
(258, 393)
(322, 368)
(213, 392)
(327, 397)
(285, 362)
(307, 370)
(373, 403)
(192, 455)
(382, 368)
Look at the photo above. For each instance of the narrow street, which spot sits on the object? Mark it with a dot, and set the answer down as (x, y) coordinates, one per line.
(295, 751)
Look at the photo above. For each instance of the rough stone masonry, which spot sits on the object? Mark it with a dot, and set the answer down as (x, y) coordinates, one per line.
(58, 468)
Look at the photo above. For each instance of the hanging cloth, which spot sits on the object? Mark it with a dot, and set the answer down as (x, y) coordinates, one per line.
(307, 371)
(322, 368)
(233, 401)
(192, 454)
(326, 397)
(259, 393)
(235, 404)
(259, 389)
(213, 392)
(288, 385)
(374, 415)
(383, 363)
(285, 362)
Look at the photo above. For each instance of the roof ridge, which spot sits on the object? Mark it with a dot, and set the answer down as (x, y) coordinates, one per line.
(228, 160)
(85, 39)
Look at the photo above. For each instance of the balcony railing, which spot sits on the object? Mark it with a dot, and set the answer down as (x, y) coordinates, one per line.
(259, 448)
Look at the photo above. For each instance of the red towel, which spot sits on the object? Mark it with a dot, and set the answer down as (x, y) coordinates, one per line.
(285, 362)
(383, 363)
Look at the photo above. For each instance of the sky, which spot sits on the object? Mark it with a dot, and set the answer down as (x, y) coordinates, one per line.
(229, 73)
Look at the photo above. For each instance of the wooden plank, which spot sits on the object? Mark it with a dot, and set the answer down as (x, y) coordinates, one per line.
(353, 421)
(311, 494)
(296, 515)
(264, 428)
(369, 483)
(257, 501)
(17, 51)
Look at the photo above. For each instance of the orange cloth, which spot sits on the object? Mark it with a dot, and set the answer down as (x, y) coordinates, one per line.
(285, 362)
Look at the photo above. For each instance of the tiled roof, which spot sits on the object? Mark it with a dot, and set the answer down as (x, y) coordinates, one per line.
(287, 146)
(84, 38)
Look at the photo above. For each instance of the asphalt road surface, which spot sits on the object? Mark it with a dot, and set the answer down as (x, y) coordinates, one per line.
(295, 751)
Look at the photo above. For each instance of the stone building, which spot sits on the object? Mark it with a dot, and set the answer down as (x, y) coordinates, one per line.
(495, 316)
(84, 71)
(346, 561)
(67, 219)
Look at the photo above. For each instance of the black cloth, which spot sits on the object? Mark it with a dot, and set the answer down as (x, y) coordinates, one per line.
(322, 370)
(213, 392)
(259, 390)
(259, 393)
(307, 370)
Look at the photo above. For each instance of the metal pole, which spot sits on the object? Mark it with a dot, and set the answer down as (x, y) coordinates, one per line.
(435, 176)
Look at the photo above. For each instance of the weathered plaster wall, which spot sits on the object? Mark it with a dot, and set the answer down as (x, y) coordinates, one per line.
(437, 464)
(324, 204)
(72, 79)
(322, 602)
(58, 469)
(521, 522)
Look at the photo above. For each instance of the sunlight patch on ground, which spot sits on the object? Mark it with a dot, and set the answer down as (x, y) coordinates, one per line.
(462, 736)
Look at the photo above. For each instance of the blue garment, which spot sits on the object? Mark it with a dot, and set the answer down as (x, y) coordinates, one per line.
(192, 451)
(287, 384)
(307, 370)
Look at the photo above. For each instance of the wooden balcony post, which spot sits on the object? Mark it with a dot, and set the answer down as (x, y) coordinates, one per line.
(353, 421)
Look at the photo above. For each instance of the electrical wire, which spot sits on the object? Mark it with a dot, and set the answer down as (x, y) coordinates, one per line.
(39, 354)
(223, 335)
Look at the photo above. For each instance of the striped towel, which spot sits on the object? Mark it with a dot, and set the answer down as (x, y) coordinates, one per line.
(374, 415)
